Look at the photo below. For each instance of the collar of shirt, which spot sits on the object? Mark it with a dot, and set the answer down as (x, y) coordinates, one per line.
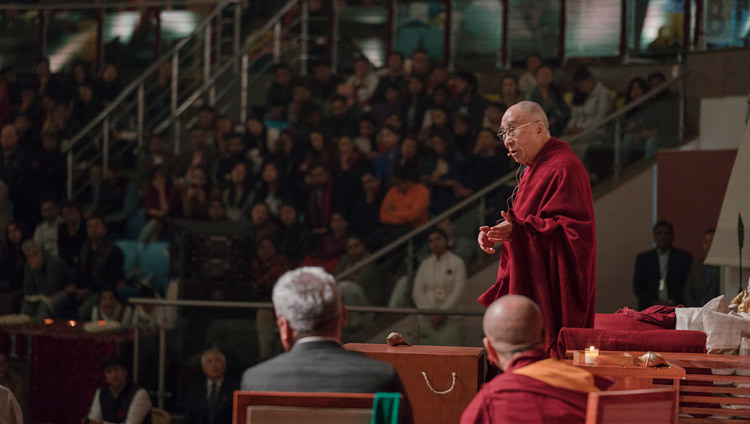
(311, 339)
(209, 383)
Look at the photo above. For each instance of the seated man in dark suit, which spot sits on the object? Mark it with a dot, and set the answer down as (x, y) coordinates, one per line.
(310, 317)
(661, 273)
(210, 401)
(533, 388)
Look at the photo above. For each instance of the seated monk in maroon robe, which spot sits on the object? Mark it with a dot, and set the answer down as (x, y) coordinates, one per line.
(548, 235)
(533, 388)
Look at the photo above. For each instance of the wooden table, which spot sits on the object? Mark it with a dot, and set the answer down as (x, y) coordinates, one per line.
(440, 381)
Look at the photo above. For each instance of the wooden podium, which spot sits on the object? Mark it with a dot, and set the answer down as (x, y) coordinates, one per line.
(439, 381)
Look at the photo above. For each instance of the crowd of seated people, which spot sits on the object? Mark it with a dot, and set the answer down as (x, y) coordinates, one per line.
(329, 158)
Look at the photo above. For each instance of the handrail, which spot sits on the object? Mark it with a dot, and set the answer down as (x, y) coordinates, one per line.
(112, 5)
(494, 185)
(133, 86)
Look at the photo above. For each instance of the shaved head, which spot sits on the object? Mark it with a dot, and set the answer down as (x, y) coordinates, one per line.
(532, 111)
(513, 322)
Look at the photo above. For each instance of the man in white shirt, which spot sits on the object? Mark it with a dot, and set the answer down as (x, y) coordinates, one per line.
(45, 234)
(10, 412)
(119, 400)
(439, 284)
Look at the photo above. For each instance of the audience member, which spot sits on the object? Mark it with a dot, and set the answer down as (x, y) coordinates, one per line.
(365, 214)
(210, 400)
(274, 189)
(368, 277)
(703, 282)
(481, 167)
(300, 95)
(44, 281)
(438, 77)
(119, 399)
(279, 93)
(363, 82)
(294, 236)
(310, 317)
(439, 284)
(10, 411)
(238, 196)
(110, 84)
(155, 155)
(45, 82)
(463, 135)
(320, 191)
(420, 64)
(392, 103)
(415, 106)
(217, 212)
(514, 341)
(45, 234)
(551, 99)
(48, 168)
(264, 225)
(639, 123)
(201, 155)
(221, 134)
(591, 101)
(441, 171)
(319, 152)
(162, 203)
(365, 137)
(467, 101)
(71, 234)
(17, 401)
(269, 265)
(661, 273)
(528, 80)
(665, 108)
(236, 153)
(111, 309)
(115, 198)
(406, 204)
(324, 82)
(348, 169)
(493, 116)
(12, 263)
(510, 94)
(394, 76)
(331, 246)
(388, 145)
(197, 193)
(15, 168)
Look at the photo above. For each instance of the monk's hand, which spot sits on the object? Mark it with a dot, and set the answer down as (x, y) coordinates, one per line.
(501, 232)
(484, 240)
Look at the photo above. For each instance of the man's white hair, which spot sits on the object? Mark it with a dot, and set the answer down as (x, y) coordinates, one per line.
(204, 356)
(309, 300)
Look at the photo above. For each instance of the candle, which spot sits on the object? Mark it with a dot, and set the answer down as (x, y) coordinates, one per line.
(101, 322)
(592, 356)
(72, 323)
(48, 321)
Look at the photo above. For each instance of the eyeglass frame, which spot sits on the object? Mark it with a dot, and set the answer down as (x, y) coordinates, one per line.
(510, 132)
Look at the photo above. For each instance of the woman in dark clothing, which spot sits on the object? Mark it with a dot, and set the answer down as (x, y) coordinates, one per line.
(12, 262)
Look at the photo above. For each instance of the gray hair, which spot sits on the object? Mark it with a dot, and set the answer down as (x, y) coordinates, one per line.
(309, 300)
(29, 246)
(534, 109)
(213, 349)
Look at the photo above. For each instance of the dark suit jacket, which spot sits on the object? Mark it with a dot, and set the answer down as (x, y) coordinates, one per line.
(696, 295)
(647, 276)
(196, 402)
(322, 366)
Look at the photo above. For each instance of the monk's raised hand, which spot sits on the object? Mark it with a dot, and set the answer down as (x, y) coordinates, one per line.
(501, 232)
(484, 242)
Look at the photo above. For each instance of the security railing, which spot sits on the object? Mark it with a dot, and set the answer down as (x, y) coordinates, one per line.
(121, 127)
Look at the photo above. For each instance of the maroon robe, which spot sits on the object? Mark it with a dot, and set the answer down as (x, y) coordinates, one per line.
(551, 257)
(550, 392)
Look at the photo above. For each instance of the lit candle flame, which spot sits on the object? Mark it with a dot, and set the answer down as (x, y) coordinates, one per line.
(48, 321)
(101, 322)
(591, 348)
(72, 323)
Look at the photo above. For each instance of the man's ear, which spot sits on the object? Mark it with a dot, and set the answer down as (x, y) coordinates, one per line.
(491, 353)
(286, 334)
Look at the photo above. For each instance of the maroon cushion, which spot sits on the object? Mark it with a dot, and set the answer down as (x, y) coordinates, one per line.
(622, 322)
(618, 340)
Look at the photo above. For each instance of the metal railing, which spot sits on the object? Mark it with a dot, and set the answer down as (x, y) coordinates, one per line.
(121, 125)
(161, 389)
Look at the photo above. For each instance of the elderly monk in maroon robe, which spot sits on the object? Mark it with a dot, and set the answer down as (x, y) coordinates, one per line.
(533, 388)
(548, 235)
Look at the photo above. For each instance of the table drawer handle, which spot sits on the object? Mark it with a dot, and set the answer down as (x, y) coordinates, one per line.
(453, 384)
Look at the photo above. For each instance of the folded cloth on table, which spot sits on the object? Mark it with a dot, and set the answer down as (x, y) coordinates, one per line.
(661, 315)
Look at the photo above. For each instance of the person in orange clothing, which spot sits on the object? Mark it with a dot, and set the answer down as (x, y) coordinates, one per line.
(405, 205)
(514, 340)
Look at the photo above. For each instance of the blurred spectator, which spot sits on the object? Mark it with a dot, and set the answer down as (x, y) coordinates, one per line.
(9, 76)
(236, 154)
(439, 121)
(365, 139)
(12, 263)
(293, 236)
(48, 166)
(288, 156)
(280, 91)
(319, 194)
(394, 120)
(438, 77)
(29, 105)
(201, 154)
(196, 194)
(638, 124)
(415, 106)
(365, 214)
(275, 189)
(388, 145)
(15, 383)
(238, 197)
(467, 101)
(331, 246)
(409, 155)
(493, 115)
(441, 171)
(115, 198)
(510, 94)
(45, 234)
(87, 104)
(368, 277)
(80, 74)
(319, 151)
(44, 281)
(591, 101)
(259, 139)
(207, 122)
(363, 82)
(71, 234)
(49, 104)
(111, 309)
(63, 124)
(223, 131)
(482, 166)
(155, 155)
(420, 64)
(464, 136)
(406, 204)
(301, 94)
(15, 168)
(348, 168)
(264, 225)
(163, 203)
(101, 267)
(210, 400)
(342, 120)
(439, 284)
(268, 266)
(394, 76)
(151, 316)
(217, 212)
(28, 135)
(389, 105)
(45, 82)
(551, 100)
(110, 84)
(323, 84)
(464, 247)
(119, 399)
(528, 80)
(666, 43)
(665, 110)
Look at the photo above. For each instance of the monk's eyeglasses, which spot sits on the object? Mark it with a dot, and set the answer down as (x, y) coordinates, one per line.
(510, 130)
